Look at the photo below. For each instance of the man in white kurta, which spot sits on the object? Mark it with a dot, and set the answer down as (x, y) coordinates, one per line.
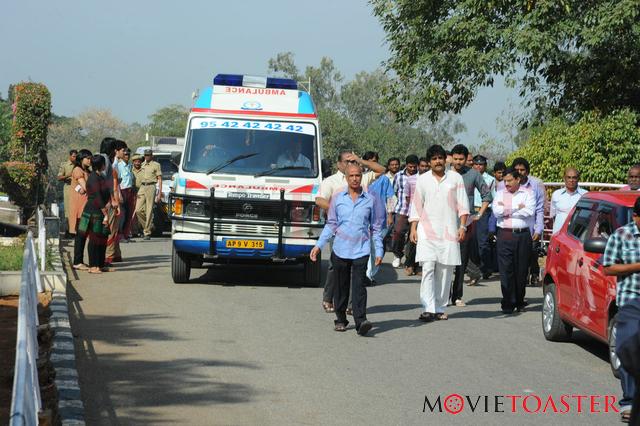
(438, 217)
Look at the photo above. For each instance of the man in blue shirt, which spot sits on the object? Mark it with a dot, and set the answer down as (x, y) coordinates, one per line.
(354, 218)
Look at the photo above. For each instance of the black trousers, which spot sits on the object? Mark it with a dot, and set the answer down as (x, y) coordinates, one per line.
(482, 241)
(467, 251)
(96, 248)
(399, 238)
(534, 267)
(514, 254)
(78, 247)
(350, 271)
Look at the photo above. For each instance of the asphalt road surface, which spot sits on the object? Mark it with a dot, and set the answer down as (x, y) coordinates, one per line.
(246, 345)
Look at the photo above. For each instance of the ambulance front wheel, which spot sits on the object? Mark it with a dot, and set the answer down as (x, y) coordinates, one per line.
(312, 272)
(180, 266)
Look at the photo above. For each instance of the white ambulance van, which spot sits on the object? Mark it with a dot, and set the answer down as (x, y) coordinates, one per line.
(248, 177)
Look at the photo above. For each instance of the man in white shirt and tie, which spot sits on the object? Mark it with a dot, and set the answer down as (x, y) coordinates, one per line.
(514, 208)
(563, 199)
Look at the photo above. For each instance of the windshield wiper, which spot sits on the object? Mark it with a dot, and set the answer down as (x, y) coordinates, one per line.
(277, 169)
(232, 160)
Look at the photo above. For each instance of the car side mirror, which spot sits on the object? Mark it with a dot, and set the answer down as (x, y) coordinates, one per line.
(595, 245)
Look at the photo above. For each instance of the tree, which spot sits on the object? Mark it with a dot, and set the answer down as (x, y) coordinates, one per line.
(569, 56)
(99, 123)
(5, 127)
(169, 121)
(361, 98)
(325, 79)
(325, 83)
(284, 65)
(601, 148)
(22, 176)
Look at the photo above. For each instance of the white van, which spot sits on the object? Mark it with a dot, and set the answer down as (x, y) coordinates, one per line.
(248, 178)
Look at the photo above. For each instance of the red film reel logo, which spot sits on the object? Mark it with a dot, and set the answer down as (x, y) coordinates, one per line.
(454, 403)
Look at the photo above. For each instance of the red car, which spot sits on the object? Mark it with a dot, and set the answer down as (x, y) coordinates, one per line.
(577, 293)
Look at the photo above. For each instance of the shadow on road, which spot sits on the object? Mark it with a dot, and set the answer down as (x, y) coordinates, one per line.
(380, 327)
(138, 387)
(391, 308)
(254, 275)
(588, 343)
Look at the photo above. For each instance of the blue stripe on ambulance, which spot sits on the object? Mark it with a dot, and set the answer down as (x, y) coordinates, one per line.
(305, 104)
(204, 99)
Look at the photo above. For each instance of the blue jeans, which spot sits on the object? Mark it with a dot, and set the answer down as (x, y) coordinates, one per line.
(628, 324)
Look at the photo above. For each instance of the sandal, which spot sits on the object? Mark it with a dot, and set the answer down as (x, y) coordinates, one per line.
(108, 269)
(328, 307)
(81, 267)
(427, 317)
(95, 271)
(625, 416)
(340, 327)
(349, 311)
(441, 316)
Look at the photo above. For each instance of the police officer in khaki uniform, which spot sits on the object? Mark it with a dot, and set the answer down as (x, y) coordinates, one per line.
(148, 178)
(64, 175)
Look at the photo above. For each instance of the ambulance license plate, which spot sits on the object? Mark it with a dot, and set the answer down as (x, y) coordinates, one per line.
(245, 244)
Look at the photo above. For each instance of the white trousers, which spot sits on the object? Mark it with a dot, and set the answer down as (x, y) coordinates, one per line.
(435, 286)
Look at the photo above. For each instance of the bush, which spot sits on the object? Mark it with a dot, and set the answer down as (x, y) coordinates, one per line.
(23, 175)
(32, 114)
(20, 181)
(601, 148)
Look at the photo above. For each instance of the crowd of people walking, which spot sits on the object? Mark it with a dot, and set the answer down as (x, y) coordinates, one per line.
(442, 216)
(108, 198)
(448, 217)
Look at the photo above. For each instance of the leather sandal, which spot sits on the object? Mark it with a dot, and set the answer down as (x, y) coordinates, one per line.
(328, 307)
(441, 316)
(427, 317)
(625, 416)
(340, 326)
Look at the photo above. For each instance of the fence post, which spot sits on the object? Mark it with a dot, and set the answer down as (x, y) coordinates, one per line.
(42, 240)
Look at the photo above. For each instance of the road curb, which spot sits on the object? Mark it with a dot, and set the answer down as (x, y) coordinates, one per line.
(63, 355)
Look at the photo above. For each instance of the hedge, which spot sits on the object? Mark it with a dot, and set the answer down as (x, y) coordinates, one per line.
(601, 148)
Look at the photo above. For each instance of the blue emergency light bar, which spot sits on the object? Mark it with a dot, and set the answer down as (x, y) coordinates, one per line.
(252, 81)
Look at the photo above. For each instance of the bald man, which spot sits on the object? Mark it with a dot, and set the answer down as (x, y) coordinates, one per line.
(563, 199)
(633, 179)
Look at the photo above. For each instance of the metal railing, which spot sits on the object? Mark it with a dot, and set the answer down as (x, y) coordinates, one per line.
(42, 240)
(548, 186)
(25, 399)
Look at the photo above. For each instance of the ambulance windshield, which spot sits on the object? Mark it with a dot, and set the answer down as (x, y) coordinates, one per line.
(251, 147)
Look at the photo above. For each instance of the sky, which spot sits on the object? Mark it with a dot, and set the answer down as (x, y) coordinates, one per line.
(134, 57)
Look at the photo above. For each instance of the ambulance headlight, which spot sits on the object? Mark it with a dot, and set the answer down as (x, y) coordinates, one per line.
(195, 208)
(301, 212)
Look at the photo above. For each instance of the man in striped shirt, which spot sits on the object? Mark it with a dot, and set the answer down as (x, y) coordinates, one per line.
(622, 259)
(402, 185)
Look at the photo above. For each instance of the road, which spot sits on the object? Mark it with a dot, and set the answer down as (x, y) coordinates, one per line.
(246, 345)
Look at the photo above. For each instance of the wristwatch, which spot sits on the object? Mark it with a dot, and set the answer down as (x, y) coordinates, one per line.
(463, 227)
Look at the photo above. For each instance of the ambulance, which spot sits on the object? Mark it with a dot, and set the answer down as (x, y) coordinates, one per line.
(248, 177)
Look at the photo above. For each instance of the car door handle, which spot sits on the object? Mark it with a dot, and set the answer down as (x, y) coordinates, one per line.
(580, 262)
